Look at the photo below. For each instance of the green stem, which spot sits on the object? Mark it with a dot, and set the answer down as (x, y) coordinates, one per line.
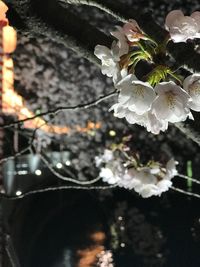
(151, 40)
(175, 76)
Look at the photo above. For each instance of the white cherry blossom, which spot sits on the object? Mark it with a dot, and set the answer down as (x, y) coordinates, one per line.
(171, 103)
(120, 75)
(155, 125)
(106, 157)
(128, 180)
(122, 44)
(191, 85)
(112, 172)
(147, 187)
(196, 16)
(109, 59)
(147, 119)
(145, 182)
(135, 95)
(133, 118)
(149, 181)
(171, 170)
(132, 31)
(163, 186)
(181, 28)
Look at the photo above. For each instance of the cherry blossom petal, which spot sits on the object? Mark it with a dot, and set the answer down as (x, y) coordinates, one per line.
(109, 60)
(180, 27)
(172, 17)
(191, 85)
(133, 31)
(122, 44)
(171, 104)
(148, 190)
(163, 186)
(196, 16)
(106, 157)
(102, 51)
(126, 82)
(171, 170)
(119, 110)
(142, 97)
(133, 118)
(155, 125)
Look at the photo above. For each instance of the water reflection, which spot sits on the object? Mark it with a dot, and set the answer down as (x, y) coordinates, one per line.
(105, 229)
(88, 257)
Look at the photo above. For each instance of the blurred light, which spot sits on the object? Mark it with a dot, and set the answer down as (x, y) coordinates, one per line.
(120, 218)
(38, 172)
(92, 133)
(68, 162)
(22, 172)
(24, 165)
(9, 39)
(112, 133)
(18, 193)
(59, 165)
(122, 245)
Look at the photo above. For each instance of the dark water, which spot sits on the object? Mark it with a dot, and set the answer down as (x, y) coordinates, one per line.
(70, 228)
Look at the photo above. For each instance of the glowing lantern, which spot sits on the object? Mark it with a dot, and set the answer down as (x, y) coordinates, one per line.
(10, 101)
(9, 39)
(3, 10)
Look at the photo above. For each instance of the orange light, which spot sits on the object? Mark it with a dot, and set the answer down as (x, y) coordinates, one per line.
(3, 10)
(88, 257)
(98, 237)
(12, 103)
(9, 39)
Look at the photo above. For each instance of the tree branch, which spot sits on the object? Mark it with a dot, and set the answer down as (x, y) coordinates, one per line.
(183, 53)
(188, 132)
(55, 111)
(49, 19)
(55, 188)
(64, 178)
(185, 192)
(41, 17)
(122, 13)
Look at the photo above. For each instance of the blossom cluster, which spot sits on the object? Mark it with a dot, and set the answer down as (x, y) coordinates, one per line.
(181, 28)
(147, 180)
(159, 97)
(105, 259)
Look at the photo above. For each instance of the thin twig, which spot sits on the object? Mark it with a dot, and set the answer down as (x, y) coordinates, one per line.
(185, 192)
(55, 111)
(68, 179)
(57, 188)
(98, 5)
(188, 178)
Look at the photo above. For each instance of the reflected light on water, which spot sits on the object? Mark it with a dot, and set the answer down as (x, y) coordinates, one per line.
(18, 193)
(89, 257)
(38, 172)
